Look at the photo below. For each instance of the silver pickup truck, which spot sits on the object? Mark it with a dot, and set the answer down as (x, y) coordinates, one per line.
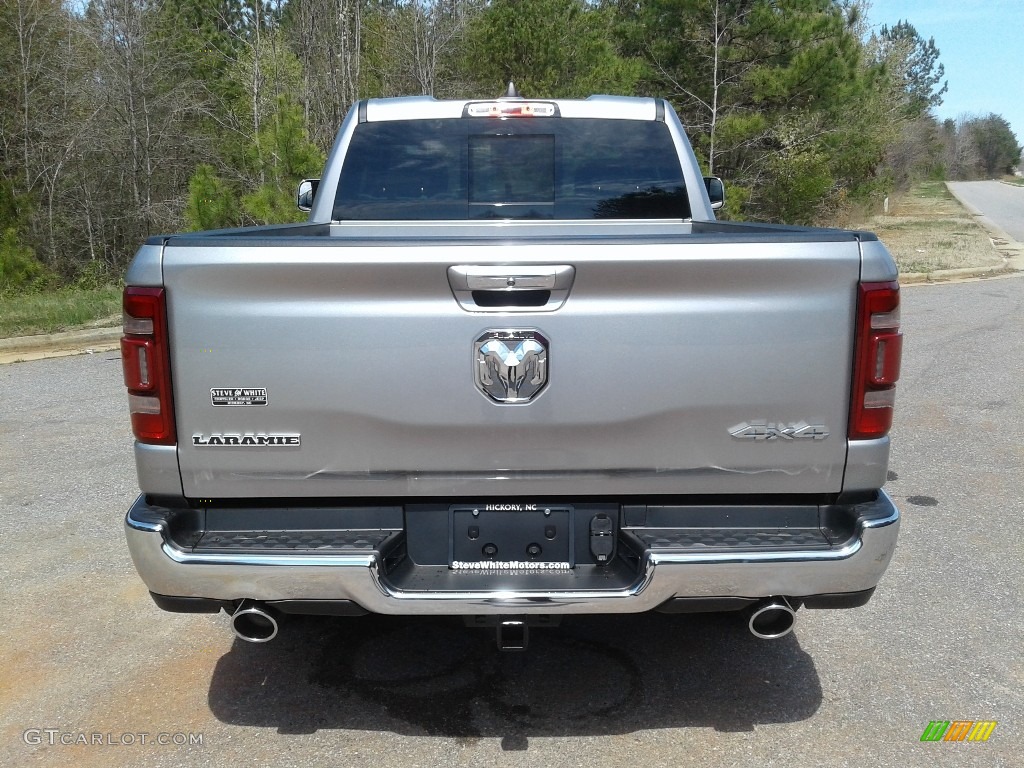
(511, 368)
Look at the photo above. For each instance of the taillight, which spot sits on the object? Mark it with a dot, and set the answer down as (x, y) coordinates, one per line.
(876, 365)
(147, 365)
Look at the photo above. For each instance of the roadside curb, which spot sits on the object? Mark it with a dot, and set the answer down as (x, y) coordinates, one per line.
(957, 275)
(42, 346)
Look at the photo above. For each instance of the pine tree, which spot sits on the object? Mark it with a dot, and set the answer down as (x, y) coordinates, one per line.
(548, 48)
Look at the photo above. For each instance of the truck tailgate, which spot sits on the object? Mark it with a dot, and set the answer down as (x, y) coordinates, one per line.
(342, 368)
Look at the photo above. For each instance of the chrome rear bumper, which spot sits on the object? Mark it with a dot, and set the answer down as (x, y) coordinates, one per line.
(661, 574)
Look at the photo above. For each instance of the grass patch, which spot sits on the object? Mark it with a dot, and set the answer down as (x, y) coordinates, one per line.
(29, 314)
(927, 230)
(931, 190)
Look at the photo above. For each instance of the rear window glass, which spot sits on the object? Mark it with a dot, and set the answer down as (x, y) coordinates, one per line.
(485, 168)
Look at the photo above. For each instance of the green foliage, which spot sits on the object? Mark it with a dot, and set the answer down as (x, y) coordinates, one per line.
(285, 156)
(998, 150)
(14, 208)
(915, 65)
(284, 146)
(736, 200)
(801, 186)
(978, 147)
(94, 276)
(203, 36)
(19, 268)
(261, 75)
(211, 202)
(548, 48)
(777, 96)
(804, 57)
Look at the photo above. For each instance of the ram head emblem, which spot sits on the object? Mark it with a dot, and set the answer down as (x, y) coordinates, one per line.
(511, 366)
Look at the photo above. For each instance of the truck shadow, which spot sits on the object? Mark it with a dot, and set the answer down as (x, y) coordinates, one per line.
(594, 675)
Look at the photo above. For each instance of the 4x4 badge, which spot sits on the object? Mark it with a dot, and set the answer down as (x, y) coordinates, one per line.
(765, 430)
(511, 366)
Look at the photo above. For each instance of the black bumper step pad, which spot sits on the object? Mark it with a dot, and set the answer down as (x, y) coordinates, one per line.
(300, 542)
(729, 539)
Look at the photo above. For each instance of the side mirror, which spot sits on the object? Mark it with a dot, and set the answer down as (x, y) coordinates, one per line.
(716, 191)
(307, 191)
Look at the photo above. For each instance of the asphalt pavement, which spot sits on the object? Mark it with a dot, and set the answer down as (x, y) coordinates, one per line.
(1003, 204)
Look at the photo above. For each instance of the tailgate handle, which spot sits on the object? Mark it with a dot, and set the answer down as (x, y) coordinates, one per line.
(521, 288)
(510, 282)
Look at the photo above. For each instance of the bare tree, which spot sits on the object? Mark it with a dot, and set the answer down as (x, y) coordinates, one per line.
(133, 145)
(962, 156)
(327, 36)
(30, 29)
(424, 33)
(43, 68)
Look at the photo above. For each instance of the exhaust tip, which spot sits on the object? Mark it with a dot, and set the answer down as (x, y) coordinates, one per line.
(772, 619)
(254, 622)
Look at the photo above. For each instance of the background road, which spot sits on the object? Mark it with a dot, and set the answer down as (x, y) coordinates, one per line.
(1001, 203)
(84, 651)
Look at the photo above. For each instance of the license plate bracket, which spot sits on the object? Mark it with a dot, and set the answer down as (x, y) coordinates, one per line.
(512, 536)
